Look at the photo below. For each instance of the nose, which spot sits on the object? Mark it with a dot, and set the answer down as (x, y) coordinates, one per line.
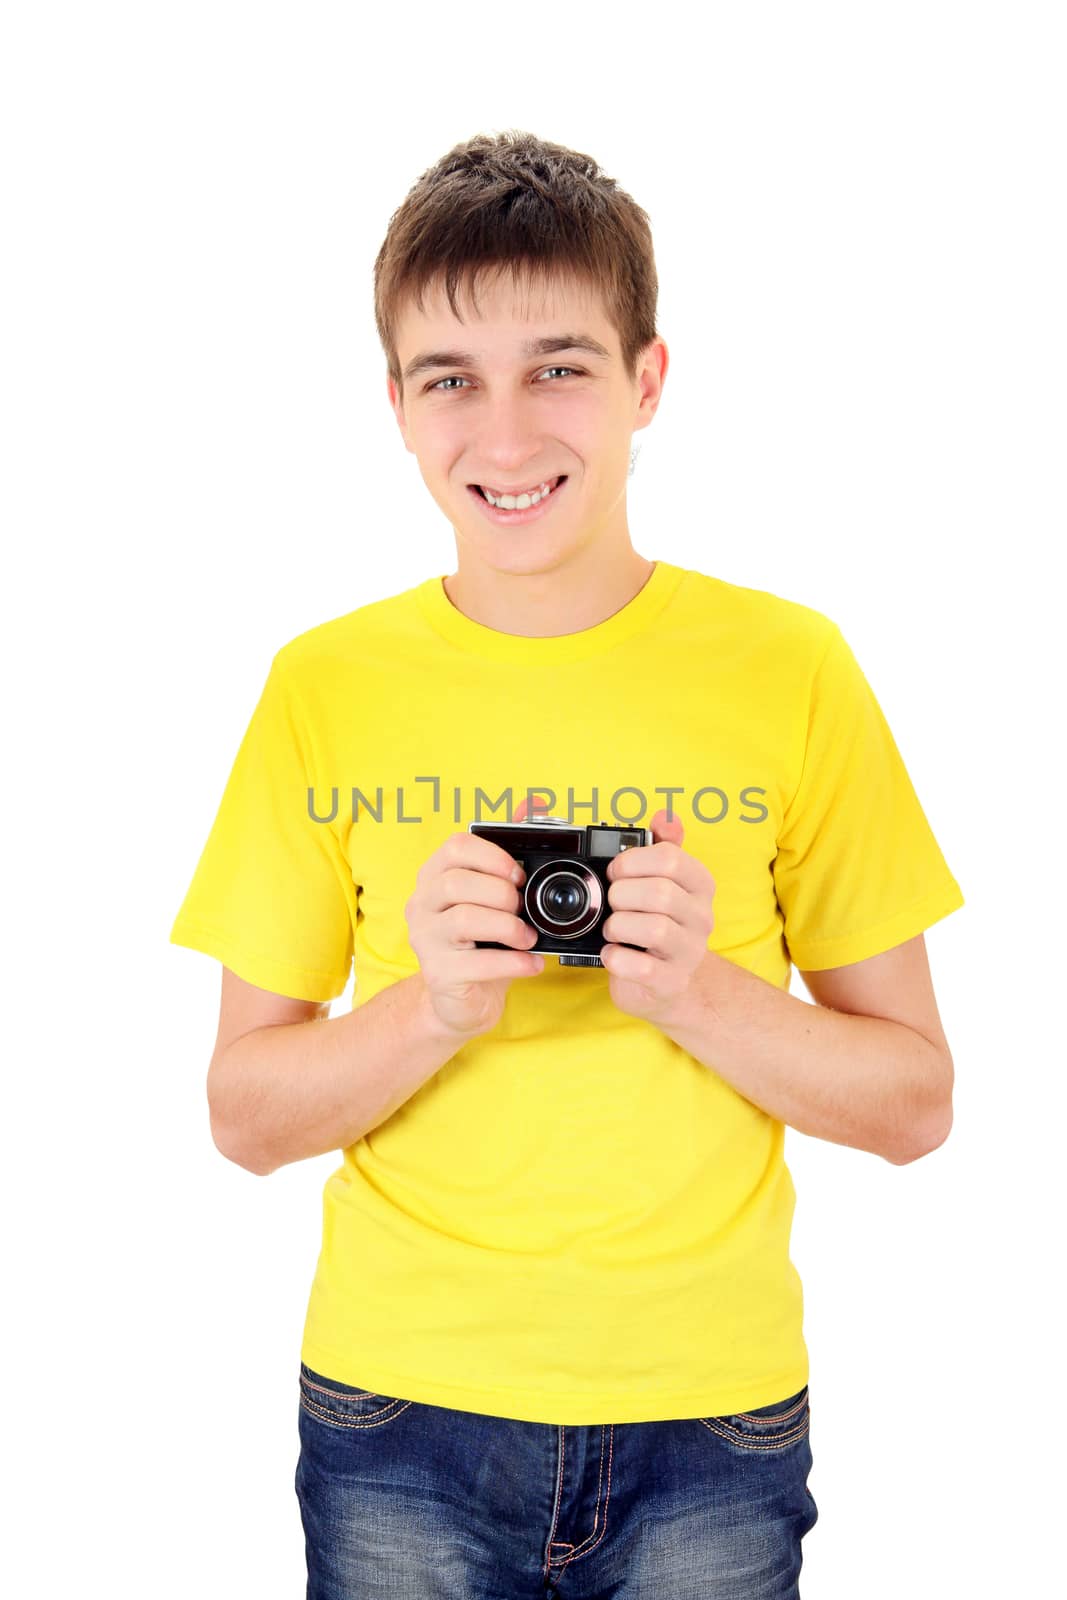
(511, 443)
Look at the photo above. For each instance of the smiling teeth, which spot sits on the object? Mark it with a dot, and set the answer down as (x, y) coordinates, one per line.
(511, 502)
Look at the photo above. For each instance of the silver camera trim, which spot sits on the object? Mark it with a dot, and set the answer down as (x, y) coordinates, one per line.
(567, 866)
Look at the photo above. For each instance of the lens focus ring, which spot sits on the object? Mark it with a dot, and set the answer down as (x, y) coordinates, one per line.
(563, 899)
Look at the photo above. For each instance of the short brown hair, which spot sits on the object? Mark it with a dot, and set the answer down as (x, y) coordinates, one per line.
(513, 200)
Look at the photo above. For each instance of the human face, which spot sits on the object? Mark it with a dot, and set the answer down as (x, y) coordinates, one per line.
(500, 415)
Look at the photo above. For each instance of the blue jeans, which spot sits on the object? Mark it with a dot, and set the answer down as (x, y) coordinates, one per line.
(418, 1502)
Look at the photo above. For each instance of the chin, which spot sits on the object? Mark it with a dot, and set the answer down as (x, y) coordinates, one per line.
(546, 554)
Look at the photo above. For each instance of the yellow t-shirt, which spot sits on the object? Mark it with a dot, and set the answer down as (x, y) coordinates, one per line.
(573, 1221)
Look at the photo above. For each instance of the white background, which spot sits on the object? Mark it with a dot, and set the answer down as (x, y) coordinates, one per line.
(858, 219)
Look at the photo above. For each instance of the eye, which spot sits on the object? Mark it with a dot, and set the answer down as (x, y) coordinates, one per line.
(455, 378)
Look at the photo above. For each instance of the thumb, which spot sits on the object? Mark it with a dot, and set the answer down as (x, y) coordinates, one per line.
(662, 828)
(539, 804)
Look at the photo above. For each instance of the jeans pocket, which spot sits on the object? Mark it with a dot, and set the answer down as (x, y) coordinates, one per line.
(341, 1405)
(771, 1427)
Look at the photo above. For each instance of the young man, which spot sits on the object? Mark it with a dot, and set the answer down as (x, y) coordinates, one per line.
(554, 1325)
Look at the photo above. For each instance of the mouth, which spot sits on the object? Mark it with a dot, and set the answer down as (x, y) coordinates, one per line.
(507, 519)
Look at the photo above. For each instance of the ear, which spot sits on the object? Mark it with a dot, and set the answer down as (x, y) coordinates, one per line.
(651, 376)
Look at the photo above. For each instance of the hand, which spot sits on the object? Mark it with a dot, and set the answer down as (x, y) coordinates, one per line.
(661, 898)
(464, 892)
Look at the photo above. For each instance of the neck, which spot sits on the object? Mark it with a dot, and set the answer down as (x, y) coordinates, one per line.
(566, 597)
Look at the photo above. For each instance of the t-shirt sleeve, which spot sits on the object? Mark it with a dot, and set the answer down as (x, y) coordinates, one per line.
(858, 869)
(272, 896)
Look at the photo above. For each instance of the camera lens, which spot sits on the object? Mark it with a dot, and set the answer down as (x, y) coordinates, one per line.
(564, 899)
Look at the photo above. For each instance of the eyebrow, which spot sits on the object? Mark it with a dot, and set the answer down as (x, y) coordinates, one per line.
(430, 360)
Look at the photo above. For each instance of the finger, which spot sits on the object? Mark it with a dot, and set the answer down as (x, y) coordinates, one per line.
(463, 886)
(453, 967)
(635, 965)
(662, 896)
(660, 936)
(465, 924)
(662, 860)
(472, 851)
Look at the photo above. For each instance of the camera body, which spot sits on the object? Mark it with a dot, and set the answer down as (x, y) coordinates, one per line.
(565, 895)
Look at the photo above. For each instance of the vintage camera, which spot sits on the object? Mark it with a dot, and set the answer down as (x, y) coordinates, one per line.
(565, 895)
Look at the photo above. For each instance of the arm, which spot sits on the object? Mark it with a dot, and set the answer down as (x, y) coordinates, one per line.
(287, 1081)
(868, 1065)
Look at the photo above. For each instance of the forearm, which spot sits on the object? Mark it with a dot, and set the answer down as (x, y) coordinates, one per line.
(855, 1080)
(286, 1093)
